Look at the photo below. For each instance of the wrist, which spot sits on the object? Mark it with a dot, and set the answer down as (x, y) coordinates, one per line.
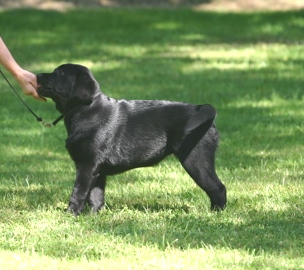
(16, 71)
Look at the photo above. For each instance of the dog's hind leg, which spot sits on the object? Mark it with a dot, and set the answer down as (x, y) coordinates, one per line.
(96, 198)
(199, 163)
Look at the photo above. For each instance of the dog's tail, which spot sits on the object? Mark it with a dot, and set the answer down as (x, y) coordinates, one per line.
(195, 129)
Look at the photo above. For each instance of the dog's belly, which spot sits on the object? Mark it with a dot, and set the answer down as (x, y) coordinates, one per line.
(111, 169)
(126, 158)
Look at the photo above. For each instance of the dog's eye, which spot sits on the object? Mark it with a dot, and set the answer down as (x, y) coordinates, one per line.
(59, 72)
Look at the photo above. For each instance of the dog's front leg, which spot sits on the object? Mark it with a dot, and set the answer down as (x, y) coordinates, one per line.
(85, 179)
(96, 198)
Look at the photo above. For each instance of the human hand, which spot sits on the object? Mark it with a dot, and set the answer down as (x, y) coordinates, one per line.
(28, 83)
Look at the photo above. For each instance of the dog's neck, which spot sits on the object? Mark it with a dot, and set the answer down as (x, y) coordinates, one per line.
(76, 104)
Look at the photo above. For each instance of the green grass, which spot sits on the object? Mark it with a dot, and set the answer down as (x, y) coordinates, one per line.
(249, 66)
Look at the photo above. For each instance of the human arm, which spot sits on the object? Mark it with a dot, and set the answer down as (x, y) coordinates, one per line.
(26, 79)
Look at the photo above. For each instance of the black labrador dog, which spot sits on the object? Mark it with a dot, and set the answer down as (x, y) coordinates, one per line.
(108, 136)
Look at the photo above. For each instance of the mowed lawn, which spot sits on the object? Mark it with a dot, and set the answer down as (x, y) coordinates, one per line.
(250, 66)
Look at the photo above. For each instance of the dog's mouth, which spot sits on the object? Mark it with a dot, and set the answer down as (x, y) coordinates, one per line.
(47, 91)
(46, 87)
(40, 91)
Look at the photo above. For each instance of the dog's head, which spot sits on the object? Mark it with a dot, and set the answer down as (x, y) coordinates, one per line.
(69, 85)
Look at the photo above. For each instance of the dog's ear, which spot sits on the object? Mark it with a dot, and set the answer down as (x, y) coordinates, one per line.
(203, 118)
(195, 129)
(84, 89)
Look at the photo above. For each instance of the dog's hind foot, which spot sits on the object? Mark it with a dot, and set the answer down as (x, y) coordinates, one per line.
(218, 199)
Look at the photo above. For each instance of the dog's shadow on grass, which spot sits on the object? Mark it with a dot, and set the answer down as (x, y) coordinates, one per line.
(181, 228)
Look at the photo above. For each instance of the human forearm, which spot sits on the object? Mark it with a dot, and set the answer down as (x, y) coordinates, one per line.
(7, 60)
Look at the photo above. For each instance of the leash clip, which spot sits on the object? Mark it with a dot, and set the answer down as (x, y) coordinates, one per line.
(39, 119)
(49, 125)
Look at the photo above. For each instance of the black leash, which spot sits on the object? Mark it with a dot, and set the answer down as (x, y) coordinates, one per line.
(39, 119)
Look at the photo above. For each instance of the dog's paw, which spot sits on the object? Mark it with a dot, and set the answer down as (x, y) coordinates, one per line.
(96, 209)
(75, 210)
(217, 208)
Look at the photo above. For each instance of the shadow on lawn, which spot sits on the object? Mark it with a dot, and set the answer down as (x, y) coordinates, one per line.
(275, 232)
